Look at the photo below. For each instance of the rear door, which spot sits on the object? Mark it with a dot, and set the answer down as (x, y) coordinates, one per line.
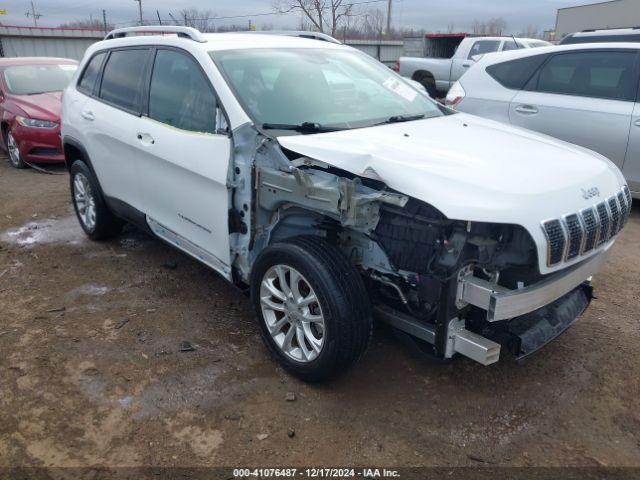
(184, 157)
(110, 117)
(583, 97)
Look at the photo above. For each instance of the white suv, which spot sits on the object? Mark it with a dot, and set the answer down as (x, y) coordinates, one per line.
(316, 178)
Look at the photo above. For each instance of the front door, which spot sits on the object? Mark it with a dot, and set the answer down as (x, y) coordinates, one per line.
(184, 160)
(631, 168)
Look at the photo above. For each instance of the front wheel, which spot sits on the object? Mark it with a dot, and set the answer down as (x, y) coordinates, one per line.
(314, 312)
(95, 218)
(14, 152)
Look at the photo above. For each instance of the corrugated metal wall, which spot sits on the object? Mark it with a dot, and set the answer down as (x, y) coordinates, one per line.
(72, 43)
(46, 42)
(387, 51)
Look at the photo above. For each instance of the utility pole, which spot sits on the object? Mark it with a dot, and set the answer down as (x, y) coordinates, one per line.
(33, 14)
(140, 10)
(389, 17)
(174, 19)
(159, 19)
(104, 20)
(186, 23)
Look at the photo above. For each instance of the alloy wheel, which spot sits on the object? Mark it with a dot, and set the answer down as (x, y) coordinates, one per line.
(14, 151)
(292, 313)
(85, 201)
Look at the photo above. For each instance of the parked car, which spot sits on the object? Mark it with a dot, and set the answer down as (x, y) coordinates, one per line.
(607, 35)
(438, 74)
(30, 91)
(315, 178)
(585, 94)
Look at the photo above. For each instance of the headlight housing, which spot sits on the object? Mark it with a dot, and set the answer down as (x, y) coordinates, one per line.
(35, 123)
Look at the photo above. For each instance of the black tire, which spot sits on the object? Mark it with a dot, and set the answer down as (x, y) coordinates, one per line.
(341, 295)
(431, 89)
(14, 160)
(107, 225)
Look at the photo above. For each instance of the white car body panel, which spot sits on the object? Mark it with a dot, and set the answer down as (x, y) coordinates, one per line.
(471, 169)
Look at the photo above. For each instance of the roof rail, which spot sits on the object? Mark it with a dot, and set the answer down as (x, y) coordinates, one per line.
(184, 32)
(297, 33)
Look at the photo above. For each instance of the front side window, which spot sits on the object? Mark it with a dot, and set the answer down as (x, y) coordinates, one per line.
(91, 73)
(122, 78)
(34, 79)
(484, 46)
(608, 75)
(180, 95)
(331, 87)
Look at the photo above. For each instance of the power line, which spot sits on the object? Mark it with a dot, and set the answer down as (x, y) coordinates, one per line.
(33, 14)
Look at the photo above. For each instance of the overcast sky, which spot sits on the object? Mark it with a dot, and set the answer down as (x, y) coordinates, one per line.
(429, 14)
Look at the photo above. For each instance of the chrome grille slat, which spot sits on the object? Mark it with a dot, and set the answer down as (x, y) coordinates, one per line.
(614, 210)
(556, 240)
(591, 226)
(605, 223)
(577, 234)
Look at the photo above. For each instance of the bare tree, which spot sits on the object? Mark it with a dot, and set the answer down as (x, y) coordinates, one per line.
(493, 26)
(89, 23)
(324, 15)
(199, 19)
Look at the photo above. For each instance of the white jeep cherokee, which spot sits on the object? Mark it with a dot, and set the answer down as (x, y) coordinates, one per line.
(316, 178)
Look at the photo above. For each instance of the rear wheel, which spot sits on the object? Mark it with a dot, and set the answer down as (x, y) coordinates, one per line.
(314, 312)
(14, 152)
(95, 218)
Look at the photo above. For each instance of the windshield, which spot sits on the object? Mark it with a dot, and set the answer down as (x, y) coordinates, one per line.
(32, 79)
(327, 87)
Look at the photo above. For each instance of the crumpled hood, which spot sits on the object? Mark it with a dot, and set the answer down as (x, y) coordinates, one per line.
(471, 168)
(43, 106)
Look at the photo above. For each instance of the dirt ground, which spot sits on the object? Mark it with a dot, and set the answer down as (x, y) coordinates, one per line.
(92, 370)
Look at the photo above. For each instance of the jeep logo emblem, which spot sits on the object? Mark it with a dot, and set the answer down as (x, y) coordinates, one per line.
(592, 192)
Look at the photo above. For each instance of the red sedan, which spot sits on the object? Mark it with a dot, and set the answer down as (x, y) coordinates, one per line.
(30, 94)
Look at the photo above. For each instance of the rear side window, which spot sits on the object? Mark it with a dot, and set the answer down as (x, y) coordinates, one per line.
(514, 74)
(602, 74)
(122, 78)
(484, 46)
(180, 95)
(91, 73)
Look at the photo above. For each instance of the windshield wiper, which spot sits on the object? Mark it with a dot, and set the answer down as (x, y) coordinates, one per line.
(402, 118)
(305, 127)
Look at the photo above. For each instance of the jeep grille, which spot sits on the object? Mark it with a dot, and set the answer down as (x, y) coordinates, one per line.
(579, 233)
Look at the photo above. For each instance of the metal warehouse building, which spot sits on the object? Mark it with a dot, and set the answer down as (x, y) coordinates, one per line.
(46, 42)
(611, 14)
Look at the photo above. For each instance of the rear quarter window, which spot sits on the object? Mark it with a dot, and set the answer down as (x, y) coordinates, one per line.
(514, 74)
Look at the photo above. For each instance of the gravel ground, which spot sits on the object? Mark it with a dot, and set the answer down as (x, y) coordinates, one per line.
(92, 370)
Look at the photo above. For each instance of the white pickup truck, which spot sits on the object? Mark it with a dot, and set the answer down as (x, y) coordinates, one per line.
(438, 74)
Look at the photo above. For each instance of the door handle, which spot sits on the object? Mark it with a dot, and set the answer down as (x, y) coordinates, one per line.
(145, 139)
(637, 123)
(526, 109)
(466, 65)
(88, 115)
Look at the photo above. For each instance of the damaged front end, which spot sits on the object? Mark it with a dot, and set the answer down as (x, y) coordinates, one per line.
(462, 287)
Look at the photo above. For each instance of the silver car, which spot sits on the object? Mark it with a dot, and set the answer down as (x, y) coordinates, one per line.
(585, 94)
